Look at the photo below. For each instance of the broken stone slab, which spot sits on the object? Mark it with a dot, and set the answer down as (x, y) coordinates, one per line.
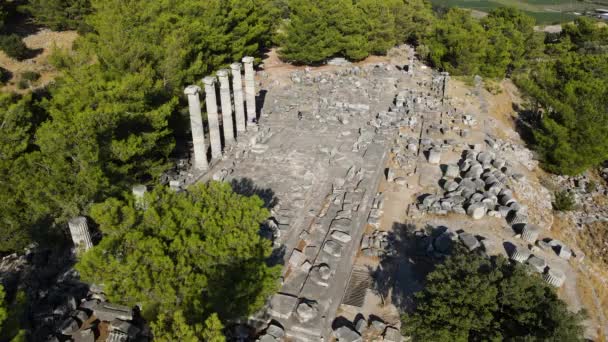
(69, 326)
(307, 310)
(377, 324)
(565, 252)
(333, 248)
(267, 338)
(297, 258)
(536, 263)
(321, 274)
(469, 241)
(347, 334)
(126, 327)
(108, 312)
(434, 156)
(392, 334)
(275, 331)
(341, 236)
(282, 305)
(361, 325)
(452, 171)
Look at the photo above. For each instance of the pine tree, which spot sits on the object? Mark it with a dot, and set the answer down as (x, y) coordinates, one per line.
(198, 251)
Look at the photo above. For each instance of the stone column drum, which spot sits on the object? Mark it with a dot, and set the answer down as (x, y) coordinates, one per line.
(237, 90)
(79, 230)
(212, 118)
(196, 125)
(250, 90)
(226, 102)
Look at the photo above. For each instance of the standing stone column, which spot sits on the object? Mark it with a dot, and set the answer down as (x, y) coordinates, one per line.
(212, 118)
(237, 90)
(139, 192)
(250, 90)
(226, 106)
(196, 125)
(79, 230)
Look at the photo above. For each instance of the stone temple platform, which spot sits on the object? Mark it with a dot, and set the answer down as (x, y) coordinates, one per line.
(316, 158)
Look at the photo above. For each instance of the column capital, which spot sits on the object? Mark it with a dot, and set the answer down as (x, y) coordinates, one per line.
(236, 67)
(223, 73)
(192, 90)
(209, 80)
(248, 59)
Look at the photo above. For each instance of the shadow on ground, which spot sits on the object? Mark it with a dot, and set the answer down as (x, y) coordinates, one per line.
(246, 187)
(402, 273)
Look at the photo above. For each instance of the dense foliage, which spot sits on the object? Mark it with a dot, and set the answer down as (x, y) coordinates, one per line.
(198, 252)
(570, 87)
(59, 14)
(317, 30)
(473, 298)
(492, 46)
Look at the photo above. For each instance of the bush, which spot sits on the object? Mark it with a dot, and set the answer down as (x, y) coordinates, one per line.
(14, 47)
(30, 76)
(5, 75)
(23, 84)
(564, 201)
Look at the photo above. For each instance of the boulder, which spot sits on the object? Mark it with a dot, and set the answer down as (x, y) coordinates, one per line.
(476, 211)
(469, 241)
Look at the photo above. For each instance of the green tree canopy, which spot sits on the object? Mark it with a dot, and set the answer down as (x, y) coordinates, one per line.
(571, 88)
(197, 251)
(493, 46)
(474, 298)
(59, 15)
(176, 328)
(17, 123)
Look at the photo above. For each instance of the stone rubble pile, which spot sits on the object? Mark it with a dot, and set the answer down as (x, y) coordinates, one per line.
(478, 186)
(585, 192)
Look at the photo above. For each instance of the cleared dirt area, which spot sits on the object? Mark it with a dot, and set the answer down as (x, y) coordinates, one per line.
(44, 42)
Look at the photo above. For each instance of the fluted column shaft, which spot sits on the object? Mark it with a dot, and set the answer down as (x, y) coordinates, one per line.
(250, 90)
(237, 90)
(212, 117)
(79, 230)
(226, 101)
(196, 126)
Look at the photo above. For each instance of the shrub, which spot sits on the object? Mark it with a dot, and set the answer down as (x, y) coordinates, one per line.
(564, 201)
(23, 84)
(30, 76)
(13, 46)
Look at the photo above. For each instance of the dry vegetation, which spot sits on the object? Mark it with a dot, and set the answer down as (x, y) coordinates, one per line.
(45, 41)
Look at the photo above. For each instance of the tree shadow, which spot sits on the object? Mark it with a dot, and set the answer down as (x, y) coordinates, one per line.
(246, 187)
(526, 122)
(402, 273)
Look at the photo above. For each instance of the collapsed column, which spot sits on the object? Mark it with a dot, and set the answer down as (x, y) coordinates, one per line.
(196, 126)
(225, 100)
(237, 89)
(250, 90)
(79, 230)
(212, 118)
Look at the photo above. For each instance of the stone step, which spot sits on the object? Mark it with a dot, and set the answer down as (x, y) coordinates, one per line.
(360, 281)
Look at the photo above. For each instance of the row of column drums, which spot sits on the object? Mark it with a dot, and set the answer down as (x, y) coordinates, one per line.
(227, 101)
